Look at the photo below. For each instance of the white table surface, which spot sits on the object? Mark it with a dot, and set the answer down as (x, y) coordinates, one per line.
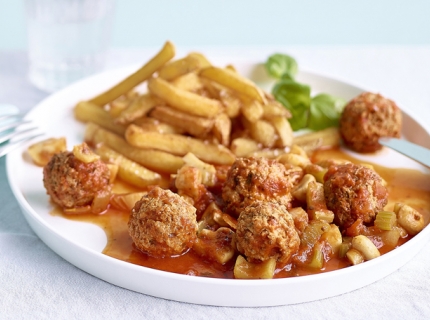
(36, 283)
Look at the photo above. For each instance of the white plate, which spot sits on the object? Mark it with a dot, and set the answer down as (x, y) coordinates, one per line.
(81, 243)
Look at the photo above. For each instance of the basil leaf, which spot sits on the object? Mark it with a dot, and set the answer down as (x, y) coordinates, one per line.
(287, 76)
(279, 64)
(296, 97)
(318, 113)
(325, 111)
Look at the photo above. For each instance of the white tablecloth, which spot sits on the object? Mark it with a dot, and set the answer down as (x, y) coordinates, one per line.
(36, 283)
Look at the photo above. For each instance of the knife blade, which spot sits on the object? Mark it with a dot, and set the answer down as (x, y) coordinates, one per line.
(409, 149)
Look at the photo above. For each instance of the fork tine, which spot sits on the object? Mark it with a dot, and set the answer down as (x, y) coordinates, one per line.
(15, 144)
(14, 132)
(11, 116)
(12, 125)
(10, 135)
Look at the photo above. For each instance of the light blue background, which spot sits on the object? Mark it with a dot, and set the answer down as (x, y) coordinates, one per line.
(140, 23)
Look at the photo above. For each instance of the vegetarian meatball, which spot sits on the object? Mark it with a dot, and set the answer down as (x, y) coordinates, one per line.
(162, 223)
(354, 192)
(253, 179)
(367, 118)
(73, 183)
(266, 230)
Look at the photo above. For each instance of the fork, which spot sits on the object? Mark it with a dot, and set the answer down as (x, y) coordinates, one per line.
(14, 132)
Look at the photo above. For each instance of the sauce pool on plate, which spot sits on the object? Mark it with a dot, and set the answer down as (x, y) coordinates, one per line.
(408, 186)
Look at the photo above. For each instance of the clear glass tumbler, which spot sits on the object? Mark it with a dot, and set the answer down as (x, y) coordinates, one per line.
(67, 40)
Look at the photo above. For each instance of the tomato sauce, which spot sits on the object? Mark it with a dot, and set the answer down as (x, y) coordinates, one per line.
(409, 186)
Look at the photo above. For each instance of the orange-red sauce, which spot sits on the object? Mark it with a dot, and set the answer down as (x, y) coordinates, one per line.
(404, 185)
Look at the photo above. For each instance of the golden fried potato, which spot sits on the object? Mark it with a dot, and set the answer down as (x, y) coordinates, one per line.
(311, 141)
(233, 80)
(178, 145)
(129, 170)
(283, 129)
(41, 152)
(252, 110)
(184, 100)
(89, 112)
(194, 125)
(137, 108)
(243, 147)
(144, 73)
(222, 129)
(179, 67)
(152, 124)
(188, 82)
(156, 160)
(263, 132)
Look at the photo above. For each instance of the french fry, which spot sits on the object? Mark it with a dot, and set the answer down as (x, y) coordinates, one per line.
(262, 132)
(179, 67)
(231, 67)
(194, 125)
(242, 147)
(233, 80)
(283, 129)
(188, 82)
(120, 103)
(267, 153)
(152, 124)
(231, 103)
(144, 73)
(178, 145)
(275, 109)
(311, 141)
(139, 107)
(184, 100)
(89, 112)
(214, 88)
(252, 110)
(153, 159)
(222, 129)
(204, 62)
(208, 171)
(228, 97)
(128, 170)
(113, 170)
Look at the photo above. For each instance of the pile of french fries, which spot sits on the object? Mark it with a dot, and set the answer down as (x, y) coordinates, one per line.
(190, 106)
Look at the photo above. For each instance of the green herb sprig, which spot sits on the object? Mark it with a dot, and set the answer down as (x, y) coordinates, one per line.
(315, 113)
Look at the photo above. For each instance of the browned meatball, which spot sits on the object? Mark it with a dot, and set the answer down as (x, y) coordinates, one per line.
(367, 118)
(72, 183)
(253, 179)
(354, 192)
(162, 223)
(266, 230)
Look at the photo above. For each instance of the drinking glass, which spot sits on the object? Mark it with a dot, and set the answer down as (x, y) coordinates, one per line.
(67, 40)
